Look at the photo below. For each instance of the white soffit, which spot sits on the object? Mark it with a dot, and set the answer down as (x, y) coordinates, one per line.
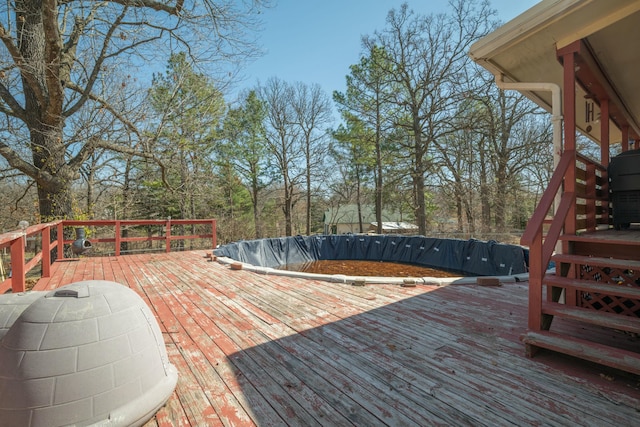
(524, 49)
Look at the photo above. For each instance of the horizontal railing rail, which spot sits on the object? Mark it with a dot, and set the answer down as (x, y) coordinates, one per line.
(16, 242)
(592, 194)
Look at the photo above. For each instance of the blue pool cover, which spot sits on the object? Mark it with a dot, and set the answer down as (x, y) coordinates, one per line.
(469, 257)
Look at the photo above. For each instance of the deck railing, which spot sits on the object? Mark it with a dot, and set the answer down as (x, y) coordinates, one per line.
(16, 242)
(583, 206)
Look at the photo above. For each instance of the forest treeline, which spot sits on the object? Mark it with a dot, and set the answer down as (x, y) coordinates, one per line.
(420, 129)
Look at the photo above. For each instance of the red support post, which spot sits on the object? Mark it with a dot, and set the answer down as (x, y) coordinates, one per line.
(536, 273)
(118, 238)
(60, 231)
(604, 147)
(168, 236)
(214, 233)
(625, 138)
(46, 252)
(569, 103)
(604, 132)
(17, 265)
(590, 197)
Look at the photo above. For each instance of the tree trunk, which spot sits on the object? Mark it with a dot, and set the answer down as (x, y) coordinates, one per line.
(468, 207)
(458, 198)
(378, 197)
(288, 204)
(54, 192)
(484, 195)
(359, 197)
(418, 180)
(501, 185)
(90, 187)
(254, 201)
(43, 97)
(420, 211)
(287, 208)
(308, 179)
(54, 204)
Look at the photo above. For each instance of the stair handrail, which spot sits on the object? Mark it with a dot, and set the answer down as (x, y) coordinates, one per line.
(541, 247)
(534, 226)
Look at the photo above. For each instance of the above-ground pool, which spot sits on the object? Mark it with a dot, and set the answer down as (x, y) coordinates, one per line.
(468, 257)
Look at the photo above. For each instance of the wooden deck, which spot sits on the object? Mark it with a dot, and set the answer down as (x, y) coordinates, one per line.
(270, 351)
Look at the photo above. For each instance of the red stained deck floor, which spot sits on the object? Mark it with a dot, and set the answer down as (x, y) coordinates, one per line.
(271, 351)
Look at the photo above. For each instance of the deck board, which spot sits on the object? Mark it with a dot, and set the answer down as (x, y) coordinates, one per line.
(256, 349)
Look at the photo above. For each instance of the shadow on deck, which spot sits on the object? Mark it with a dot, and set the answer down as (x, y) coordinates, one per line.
(267, 350)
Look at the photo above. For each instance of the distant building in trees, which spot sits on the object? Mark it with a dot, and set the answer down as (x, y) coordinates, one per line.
(344, 219)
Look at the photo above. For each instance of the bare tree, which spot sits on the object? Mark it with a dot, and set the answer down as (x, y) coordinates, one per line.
(457, 161)
(513, 135)
(283, 139)
(312, 110)
(425, 57)
(55, 61)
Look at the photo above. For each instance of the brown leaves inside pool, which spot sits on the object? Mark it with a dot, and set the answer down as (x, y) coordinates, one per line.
(367, 268)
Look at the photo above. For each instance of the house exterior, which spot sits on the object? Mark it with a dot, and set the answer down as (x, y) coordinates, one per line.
(578, 59)
(344, 219)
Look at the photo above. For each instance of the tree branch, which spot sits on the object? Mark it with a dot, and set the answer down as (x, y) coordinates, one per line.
(133, 152)
(68, 53)
(16, 108)
(24, 194)
(19, 60)
(52, 49)
(107, 106)
(16, 162)
(155, 5)
(97, 68)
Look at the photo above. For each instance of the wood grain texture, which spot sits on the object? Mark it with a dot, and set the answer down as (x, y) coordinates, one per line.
(263, 350)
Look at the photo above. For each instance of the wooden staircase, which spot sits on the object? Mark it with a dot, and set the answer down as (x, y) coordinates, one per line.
(594, 290)
(596, 283)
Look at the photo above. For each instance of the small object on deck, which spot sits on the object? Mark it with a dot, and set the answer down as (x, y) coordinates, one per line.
(408, 283)
(236, 266)
(359, 281)
(81, 245)
(488, 281)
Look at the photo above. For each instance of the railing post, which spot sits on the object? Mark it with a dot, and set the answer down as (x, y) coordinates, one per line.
(60, 231)
(590, 197)
(213, 233)
(168, 236)
(606, 203)
(536, 273)
(17, 265)
(46, 252)
(118, 237)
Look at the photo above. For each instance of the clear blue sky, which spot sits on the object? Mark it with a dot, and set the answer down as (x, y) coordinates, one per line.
(315, 41)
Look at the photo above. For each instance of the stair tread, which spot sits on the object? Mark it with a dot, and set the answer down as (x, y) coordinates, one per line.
(626, 239)
(591, 286)
(594, 317)
(601, 261)
(588, 350)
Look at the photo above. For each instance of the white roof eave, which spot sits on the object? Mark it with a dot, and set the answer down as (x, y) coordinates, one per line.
(530, 22)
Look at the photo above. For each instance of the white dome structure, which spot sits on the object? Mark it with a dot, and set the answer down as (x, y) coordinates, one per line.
(89, 353)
